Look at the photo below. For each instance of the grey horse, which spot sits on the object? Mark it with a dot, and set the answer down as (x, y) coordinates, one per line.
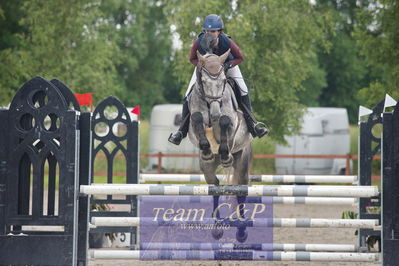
(217, 126)
(213, 106)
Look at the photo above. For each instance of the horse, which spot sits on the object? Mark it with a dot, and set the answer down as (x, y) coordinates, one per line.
(218, 128)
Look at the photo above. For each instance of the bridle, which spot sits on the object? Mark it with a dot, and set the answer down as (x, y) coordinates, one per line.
(214, 77)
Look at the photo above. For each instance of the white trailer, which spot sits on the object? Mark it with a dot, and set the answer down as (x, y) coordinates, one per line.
(325, 131)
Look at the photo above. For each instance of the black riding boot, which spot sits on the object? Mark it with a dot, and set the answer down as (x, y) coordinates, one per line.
(257, 129)
(177, 137)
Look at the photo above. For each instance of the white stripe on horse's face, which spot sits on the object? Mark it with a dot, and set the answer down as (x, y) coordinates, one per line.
(213, 87)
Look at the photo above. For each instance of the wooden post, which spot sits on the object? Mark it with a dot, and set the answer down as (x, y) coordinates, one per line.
(348, 164)
(159, 168)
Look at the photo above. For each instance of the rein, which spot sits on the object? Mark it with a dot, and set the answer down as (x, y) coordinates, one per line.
(214, 77)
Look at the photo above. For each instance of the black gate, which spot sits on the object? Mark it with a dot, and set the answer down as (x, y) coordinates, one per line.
(114, 134)
(369, 146)
(390, 187)
(38, 207)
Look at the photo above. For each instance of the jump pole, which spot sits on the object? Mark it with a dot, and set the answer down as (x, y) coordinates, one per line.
(238, 190)
(253, 178)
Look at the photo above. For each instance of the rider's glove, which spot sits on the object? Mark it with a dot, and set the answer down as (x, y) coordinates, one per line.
(226, 66)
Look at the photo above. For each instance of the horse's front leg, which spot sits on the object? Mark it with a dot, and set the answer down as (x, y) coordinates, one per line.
(199, 130)
(225, 157)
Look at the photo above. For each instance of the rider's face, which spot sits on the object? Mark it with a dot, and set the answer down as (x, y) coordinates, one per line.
(214, 32)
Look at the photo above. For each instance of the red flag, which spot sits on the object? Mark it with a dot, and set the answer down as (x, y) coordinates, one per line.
(84, 99)
(136, 111)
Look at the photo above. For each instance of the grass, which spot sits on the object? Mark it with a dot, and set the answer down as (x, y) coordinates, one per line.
(144, 132)
(354, 137)
(354, 134)
(265, 146)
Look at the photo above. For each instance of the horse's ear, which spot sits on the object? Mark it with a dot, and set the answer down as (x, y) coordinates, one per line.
(224, 56)
(200, 57)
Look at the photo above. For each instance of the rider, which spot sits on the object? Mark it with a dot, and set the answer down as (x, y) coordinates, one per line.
(214, 24)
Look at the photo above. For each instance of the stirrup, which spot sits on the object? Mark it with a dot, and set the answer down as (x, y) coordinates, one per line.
(176, 138)
(261, 125)
(261, 129)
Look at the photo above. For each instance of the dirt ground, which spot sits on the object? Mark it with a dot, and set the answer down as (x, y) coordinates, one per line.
(281, 235)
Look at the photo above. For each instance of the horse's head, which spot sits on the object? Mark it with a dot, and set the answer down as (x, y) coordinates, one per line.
(211, 81)
(209, 42)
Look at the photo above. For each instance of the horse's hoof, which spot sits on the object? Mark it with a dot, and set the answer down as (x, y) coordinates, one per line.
(228, 162)
(241, 235)
(204, 145)
(217, 234)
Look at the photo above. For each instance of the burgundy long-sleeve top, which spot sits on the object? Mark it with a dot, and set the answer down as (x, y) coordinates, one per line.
(234, 50)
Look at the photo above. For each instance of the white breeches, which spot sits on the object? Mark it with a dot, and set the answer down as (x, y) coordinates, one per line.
(233, 72)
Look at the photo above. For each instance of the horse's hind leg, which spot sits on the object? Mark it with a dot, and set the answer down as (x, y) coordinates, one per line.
(242, 162)
(205, 147)
(225, 157)
(209, 170)
(241, 234)
(241, 165)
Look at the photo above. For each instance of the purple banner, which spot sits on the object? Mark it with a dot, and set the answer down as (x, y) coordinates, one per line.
(176, 221)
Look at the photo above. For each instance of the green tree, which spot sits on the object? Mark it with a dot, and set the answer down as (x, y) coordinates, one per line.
(346, 75)
(10, 14)
(143, 38)
(278, 40)
(346, 70)
(314, 84)
(68, 40)
(378, 38)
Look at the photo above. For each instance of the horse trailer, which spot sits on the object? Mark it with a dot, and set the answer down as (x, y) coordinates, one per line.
(324, 131)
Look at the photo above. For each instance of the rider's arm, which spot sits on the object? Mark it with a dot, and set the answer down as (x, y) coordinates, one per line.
(235, 51)
(193, 53)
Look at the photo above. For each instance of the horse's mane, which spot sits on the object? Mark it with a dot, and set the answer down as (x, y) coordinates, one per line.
(208, 43)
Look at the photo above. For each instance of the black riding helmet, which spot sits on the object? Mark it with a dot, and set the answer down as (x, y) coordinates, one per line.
(213, 22)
